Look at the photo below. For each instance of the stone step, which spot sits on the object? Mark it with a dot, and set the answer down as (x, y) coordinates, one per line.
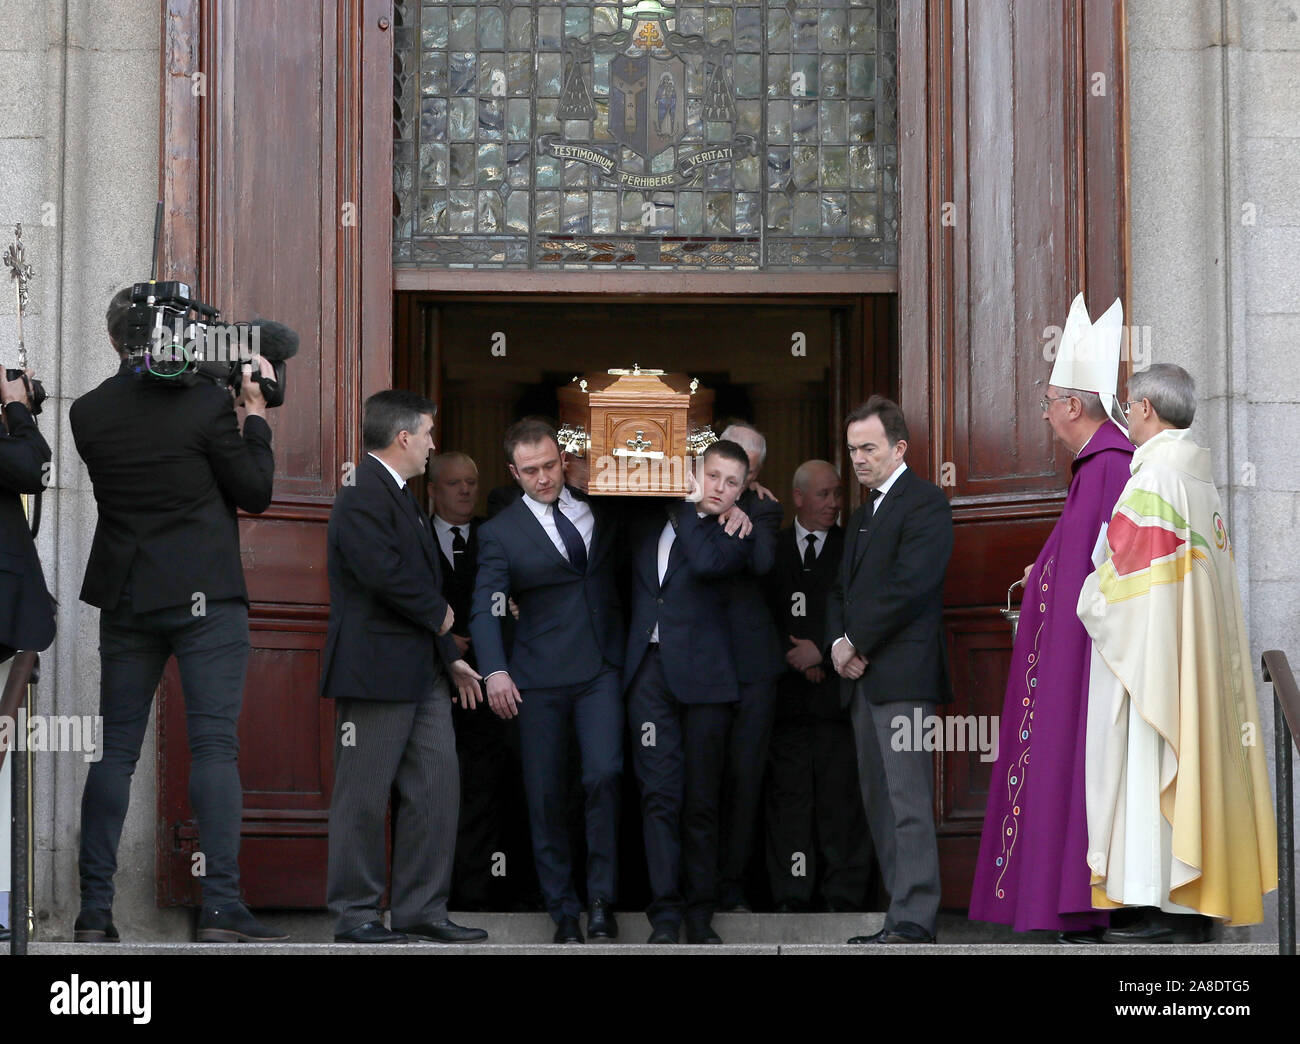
(634, 947)
(766, 933)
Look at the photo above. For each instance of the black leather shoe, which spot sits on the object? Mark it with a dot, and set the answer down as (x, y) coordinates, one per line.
(1163, 929)
(601, 923)
(370, 932)
(902, 932)
(567, 931)
(663, 935)
(94, 926)
(701, 931)
(443, 931)
(1081, 937)
(234, 924)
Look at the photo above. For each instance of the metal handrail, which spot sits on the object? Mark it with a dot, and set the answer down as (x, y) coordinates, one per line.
(1286, 729)
(23, 673)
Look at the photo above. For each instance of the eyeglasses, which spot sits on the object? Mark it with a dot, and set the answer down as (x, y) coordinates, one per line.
(1127, 406)
(1045, 403)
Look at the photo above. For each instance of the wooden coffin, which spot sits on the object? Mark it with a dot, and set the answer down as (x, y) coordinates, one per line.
(637, 430)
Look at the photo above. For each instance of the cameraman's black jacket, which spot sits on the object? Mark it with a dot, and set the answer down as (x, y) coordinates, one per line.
(26, 609)
(169, 467)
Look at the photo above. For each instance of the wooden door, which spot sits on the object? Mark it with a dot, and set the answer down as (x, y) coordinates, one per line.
(276, 168)
(1014, 199)
(277, 178)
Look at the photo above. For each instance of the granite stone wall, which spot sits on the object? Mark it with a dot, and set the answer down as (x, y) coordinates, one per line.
(1214, 171)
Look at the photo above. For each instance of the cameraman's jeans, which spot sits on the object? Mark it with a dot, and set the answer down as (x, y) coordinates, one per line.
(212, 652)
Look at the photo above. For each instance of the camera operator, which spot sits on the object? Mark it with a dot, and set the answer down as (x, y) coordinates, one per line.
(26, 609)
(169, 466)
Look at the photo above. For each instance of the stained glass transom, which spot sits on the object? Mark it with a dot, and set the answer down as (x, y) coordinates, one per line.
(718, 136)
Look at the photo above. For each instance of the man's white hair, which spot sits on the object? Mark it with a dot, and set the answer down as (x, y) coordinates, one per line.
(803, 474)
(749, 439)
(435, 465)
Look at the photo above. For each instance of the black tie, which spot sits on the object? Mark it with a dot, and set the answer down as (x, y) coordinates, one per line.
(573, 544)
(810, 552)
(872, 496)
(457, 549)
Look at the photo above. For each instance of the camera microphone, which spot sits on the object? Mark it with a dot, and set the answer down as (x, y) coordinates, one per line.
(276, 343)
(275, 340)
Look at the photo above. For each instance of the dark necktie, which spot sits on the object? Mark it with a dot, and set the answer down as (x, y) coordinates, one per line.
(872, 496)
(457, 550)
(810, 552)
(572, 539)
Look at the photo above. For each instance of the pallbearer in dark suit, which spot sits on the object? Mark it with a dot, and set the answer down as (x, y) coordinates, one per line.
(884, 627)
(818, 848)
(480, 740)
(757, 650)
(681, 685)
(387, 666)
(552, 552)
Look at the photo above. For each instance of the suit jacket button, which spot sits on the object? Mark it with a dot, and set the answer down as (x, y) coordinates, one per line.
(650, 630)
(660, 601)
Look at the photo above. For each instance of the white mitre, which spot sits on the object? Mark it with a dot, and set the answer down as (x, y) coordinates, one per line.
(1088, 356)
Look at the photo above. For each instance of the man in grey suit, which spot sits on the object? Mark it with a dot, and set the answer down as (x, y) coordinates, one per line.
(386, 665)
(884, 626)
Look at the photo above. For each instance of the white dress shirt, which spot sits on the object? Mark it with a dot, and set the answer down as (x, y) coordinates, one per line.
(401, 482)
(801, 536)
(576, 511)
(666, 539)
(885, 487)
(442, 529)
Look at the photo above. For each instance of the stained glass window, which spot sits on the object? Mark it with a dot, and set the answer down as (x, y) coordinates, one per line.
(647, 135)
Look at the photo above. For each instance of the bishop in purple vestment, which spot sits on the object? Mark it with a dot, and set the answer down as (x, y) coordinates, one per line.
(1032, 871)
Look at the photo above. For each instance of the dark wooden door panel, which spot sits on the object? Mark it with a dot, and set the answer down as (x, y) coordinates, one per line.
(990, 554)
(286, 763)
(286, 767)
(284, 559)
(279, 189)
(1013, 199)
(1020, 197)
(979, 644)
